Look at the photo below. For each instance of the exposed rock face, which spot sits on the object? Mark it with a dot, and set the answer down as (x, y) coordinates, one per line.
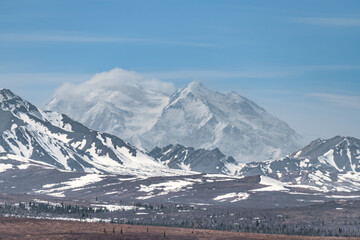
(332, 164)
(59, 141)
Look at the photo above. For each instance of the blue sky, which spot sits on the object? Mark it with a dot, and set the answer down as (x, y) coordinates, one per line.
(300, 60)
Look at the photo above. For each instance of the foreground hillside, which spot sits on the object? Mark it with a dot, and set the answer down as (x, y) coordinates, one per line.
(22, 228)
(335, 218)
(56, 140)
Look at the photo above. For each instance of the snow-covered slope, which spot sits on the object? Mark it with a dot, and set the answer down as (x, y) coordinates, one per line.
(144, 113)
(22, 177)
(198, 160)
(201, 118)
(118, 102)
(332, 164)
(57, 140)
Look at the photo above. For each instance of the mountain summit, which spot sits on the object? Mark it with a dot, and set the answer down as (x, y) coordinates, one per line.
(142, 113)
(198, 117)
(11, 102)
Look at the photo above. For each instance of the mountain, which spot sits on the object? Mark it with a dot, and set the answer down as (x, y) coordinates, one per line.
(198, 160)
(126, 108)
(148, 117)
(57, 140)
(201, 118)
(328, 165)
(47, 155)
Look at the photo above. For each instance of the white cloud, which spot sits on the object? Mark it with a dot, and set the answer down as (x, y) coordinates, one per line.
(78, 84)
(38, 87)
(74, 37)
(263, 72)
(129, 101)
(330, 21)
(114, 80)
(341, 100)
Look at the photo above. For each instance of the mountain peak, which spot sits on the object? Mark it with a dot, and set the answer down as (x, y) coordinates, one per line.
(203, 118)
(9, 101)
(320, 147)
(6, 94)
(195, 87)
(192, 116)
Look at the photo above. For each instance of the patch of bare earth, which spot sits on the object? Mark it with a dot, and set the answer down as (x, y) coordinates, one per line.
(26, 228)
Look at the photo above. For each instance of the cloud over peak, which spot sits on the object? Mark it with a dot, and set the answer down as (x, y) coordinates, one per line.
(116, 79)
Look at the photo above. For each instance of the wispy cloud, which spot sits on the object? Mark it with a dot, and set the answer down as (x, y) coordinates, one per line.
(38, 87)
(330, 21)
(24, 80)
(340, 100)
(252, 72)
(83, 38)
(213, 74)
(329, 67)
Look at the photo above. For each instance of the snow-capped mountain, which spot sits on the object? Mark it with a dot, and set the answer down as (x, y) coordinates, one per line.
(201, 118)
(47, 153)
(118, 102)
(147, 116)
(198, 160)
(332, 164)
(55, 139)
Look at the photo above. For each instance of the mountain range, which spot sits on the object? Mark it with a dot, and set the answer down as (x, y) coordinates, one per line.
(328, 165)
(198, 160)
(57, 140)
(324, 165)
(150, 117)
(49, 154)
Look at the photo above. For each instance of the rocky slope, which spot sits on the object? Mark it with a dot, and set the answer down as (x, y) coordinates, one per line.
(57, 140)
(198, 160)
(331, 164)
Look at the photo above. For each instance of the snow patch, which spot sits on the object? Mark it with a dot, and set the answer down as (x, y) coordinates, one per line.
(235, 197)
(113, 207)
(57, 189)
(298, 154)
(328, 158)
(273, 185)
(164, 188)
(4, 167)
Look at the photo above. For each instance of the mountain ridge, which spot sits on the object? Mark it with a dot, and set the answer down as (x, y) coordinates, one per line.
(193, 116)
(331, 164)
(230, 122)
(47, 153)
(198, 160)
(56, 139)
